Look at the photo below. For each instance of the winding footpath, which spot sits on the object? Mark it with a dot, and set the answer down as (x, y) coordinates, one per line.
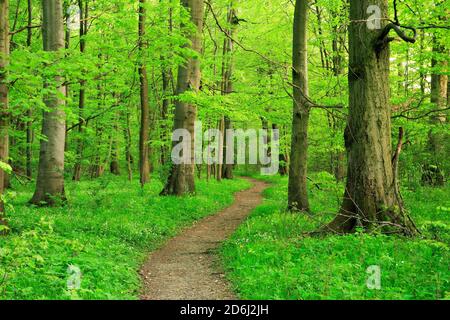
(187, 267)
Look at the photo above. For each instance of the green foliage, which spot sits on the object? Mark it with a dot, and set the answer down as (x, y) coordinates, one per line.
(107, 230)
(272, 257)
(109, 225)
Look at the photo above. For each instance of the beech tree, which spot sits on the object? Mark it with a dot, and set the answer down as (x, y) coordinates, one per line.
(372, 198)
(84, 18)
(4, 114)
(298, 193)
(50, 179)
(433, 174)
(144, 165)
(181, 179)
(29, 124)
(227, 81)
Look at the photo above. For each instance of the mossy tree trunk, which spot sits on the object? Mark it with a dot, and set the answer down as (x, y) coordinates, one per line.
(371, 200)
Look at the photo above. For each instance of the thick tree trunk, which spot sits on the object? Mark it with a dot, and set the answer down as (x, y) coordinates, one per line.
(144, 165)
(84, 14)
(4, 115)
(181, 179)
(370, 199)
(298, 193)
(50, 180)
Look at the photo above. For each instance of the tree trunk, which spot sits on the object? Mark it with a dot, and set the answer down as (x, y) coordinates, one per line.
(144, 165)
(283, 158)
(227, 169)
(84, 14)
(4, 115)
(114, 166)
(338, 70)
(220, 156)
(323, 48)
(370, 199)
(181, 180)
(166, 78)
(127, 136)
(50, 180)
(298, 193)
(227, 82)
(29, 123)
(432, 173)
(168, 90)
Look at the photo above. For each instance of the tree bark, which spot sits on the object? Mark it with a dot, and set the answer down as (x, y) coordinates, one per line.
(298, 193)
(338, 70)
(114, 166)
(432, 173)
(50, 180)
(181, 179)
(283, 157)
(144, 165)
(370, 200)
(29, 124)
(166, 79)
(227, 83)
(219, 166)
(4, 114)
(167, 90)
(127, 136)
(84, 14)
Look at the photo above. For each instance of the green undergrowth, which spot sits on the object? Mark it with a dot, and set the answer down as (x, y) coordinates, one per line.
(106, 230)
(271, 257)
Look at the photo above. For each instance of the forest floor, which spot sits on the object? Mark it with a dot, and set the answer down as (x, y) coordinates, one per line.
(188, 267)
(271, 257)
(106, 230)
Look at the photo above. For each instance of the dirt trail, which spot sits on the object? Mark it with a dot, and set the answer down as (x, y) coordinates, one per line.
(187, 266)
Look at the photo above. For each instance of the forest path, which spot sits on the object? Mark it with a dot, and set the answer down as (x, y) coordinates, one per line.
(187, 267)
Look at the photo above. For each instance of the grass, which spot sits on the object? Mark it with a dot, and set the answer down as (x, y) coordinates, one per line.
(107, 230)
(269, 257)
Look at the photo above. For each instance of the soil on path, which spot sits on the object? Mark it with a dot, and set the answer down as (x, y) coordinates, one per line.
(187, 267)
